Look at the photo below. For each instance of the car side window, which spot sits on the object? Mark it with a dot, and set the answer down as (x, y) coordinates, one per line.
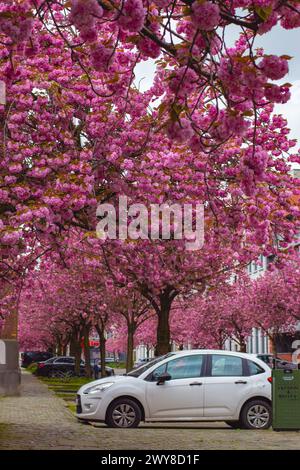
(69, 360)
(226, 366)
(58, 361)
(64, 360)
(254, 369)
(158, 372)
(185, 367)
(51, 360)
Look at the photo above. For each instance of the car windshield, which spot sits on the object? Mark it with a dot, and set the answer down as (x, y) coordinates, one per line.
(52, 359)
(140, 370)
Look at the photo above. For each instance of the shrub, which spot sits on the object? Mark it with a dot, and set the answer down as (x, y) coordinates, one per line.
(32, 367)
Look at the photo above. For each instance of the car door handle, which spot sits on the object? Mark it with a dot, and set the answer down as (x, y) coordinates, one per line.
(196, 383)
(241, 382)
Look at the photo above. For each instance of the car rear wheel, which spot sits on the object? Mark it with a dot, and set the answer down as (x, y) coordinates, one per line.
(256, 414)
(53, 374)
(123, 413)
(58, 374)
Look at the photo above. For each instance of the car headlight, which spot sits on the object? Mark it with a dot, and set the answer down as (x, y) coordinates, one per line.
(99, 387)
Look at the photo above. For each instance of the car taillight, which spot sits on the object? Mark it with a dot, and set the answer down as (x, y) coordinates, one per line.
(41, 365)
(270, 379)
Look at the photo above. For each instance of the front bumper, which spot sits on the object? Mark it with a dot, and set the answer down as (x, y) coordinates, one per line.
(90, 408)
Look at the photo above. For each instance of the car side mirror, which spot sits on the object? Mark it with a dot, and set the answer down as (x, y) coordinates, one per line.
(163, 378)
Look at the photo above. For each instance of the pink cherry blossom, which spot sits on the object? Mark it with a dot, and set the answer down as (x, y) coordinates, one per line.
(101, 56)
(180, 131)
(132, 16)
(205, 15)
(274, 67)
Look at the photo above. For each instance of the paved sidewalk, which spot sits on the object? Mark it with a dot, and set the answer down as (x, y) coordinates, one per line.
(40, 420)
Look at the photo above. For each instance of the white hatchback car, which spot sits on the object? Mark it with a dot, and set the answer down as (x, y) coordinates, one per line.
(197, 385)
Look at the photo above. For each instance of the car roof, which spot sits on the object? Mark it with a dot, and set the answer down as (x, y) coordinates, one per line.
(260, 354)
(63, 357)
(215, 351)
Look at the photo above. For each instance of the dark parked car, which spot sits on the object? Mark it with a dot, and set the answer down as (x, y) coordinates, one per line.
(60, 366)
(141, 362)
(29, 357)
(276, 361)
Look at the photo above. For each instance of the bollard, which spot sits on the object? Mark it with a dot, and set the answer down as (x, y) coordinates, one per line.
(10, 374)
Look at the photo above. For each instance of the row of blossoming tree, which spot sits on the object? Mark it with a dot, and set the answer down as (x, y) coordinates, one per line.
(77, 131)
(63, 305)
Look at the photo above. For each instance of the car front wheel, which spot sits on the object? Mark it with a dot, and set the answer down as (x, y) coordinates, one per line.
(123, 413)
(256, 414)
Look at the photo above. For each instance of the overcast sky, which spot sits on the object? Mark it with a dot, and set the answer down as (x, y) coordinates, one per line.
(279, 41)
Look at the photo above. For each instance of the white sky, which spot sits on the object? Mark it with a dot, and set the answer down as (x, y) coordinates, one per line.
(279, 41)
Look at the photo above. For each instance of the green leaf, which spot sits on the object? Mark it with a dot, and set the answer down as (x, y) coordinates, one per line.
(161, 109)
(264, 12)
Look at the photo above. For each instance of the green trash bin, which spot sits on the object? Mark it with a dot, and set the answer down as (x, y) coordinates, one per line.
(286, 399)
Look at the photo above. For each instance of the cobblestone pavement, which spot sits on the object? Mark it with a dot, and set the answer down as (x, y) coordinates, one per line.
(40, 420)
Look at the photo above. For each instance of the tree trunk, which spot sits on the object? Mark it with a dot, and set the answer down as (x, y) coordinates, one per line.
(72, 346)
(243, 345)
(220, 340)
(272, 339)
(102, 340)
(163, 329)
(75, 350)
(87, 353)
(131, 328)
(77, 359)
(59, 350)
(103, 354)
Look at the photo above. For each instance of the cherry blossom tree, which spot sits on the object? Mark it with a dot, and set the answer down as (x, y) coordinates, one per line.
(211, 329)
(146, 335)
(90, 144)
(184, 318)
(232, 300)
(239, 223)
(77, 132)
(68, 297)
(116, 343)
(188, 37)
(274, 303)
(133, 308)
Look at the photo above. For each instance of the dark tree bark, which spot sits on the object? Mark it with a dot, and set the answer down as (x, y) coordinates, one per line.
(87, 353)
(273, 345)
(75, 350)
(163, 327)
(59, 350)
(131, 329)
(162, 309)
(102, 339)
(243, 345)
